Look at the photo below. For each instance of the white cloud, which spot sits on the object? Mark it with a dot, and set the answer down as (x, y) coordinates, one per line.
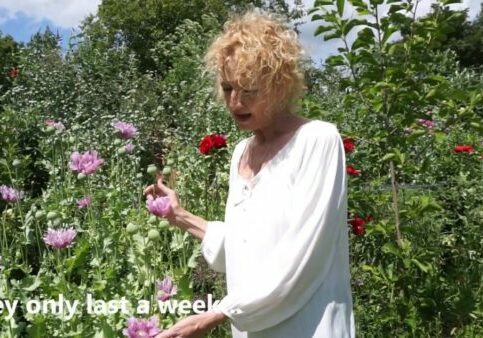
(63, 13)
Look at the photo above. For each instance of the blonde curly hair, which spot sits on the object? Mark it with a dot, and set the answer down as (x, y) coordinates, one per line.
(269, 58)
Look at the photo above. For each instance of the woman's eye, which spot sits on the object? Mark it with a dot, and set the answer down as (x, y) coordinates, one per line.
(249, 92)
(227, 89)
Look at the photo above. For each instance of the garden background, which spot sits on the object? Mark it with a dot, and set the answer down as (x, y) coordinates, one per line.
(406, 95)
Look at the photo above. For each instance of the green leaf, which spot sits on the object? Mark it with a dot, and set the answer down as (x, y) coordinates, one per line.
(316, 17)
(340, 7)
(387, 157)
(365, 38)
(359, 5)
(331, 36)
(439, 136)
(319, 3)
(416, 134)
(391, 248)
(423, 267)
(107, 331)
(335, 60)
(449, 2)
(322, 29)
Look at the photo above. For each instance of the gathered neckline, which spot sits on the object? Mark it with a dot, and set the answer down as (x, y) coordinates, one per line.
(269, 162)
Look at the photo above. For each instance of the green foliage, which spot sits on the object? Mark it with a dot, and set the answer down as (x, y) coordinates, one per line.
(405, 276)
(140, 25)
(426, 282)
(464, 37)
(8, 60)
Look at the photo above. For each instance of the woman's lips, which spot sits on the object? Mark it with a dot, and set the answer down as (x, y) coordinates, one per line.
(242, 117)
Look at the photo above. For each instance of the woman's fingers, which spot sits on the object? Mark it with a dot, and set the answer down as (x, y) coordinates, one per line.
(164, 190)
(158, 189)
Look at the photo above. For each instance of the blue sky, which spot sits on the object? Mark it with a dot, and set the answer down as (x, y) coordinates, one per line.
(23, 18)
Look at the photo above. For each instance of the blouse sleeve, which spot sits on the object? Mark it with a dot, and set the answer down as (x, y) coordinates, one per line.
(291, 273)
(213, 247)
(213, 243)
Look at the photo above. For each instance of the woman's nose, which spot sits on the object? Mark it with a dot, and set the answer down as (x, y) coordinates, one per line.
(235, 99)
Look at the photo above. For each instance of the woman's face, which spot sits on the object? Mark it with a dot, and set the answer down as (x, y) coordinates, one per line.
(248, 108)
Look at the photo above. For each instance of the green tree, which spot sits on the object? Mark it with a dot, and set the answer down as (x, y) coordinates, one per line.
(140, 24)
(466, 41)
(458, 34)
(8, 60)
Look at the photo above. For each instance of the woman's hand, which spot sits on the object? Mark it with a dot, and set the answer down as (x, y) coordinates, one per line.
(159, 189)
(178, 216)
(195, 326)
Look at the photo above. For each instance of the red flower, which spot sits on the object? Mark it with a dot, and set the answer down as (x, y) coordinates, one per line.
(210, 142)
(219, 140)
(358, 228)
(369, 218)
(349, 145)
(352, 171)
(357, 221)
(13, 73)
(464, 148)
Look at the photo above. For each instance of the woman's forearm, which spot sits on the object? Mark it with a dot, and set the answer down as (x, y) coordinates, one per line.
(195, 225)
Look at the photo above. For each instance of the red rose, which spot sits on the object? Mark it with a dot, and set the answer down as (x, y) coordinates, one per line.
(357, 221)
(358, 225)
(358, 230)
(219, 141)
(349, 145)
(13, 73)
(352, 171)
(210, 142)
(464, 148)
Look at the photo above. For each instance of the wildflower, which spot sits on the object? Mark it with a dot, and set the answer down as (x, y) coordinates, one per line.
(85, 163)
(464, 148)
(10, 194)
(129, 148)
(166, 289)
(352, 171)
(55, 125)
(426, 123)
(349, 145)
(84, 202)
(209, 142)
(137, 327)
(13, 73)
(126, 130)
(61, 238)
(358, 223)
(159, 206)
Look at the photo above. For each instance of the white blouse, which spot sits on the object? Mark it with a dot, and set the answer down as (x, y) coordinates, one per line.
(284, 241)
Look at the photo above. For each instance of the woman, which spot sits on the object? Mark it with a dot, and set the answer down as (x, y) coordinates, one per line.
(284, 243)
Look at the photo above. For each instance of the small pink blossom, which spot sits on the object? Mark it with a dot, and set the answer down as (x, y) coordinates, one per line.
(10, 194)
(84, 202)
(57, 125)
(86, 163)
(166, 289)
(427, 123)
(159, 206)
(137, 328)
(129, 148)
(125, 130)
(61, 238)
